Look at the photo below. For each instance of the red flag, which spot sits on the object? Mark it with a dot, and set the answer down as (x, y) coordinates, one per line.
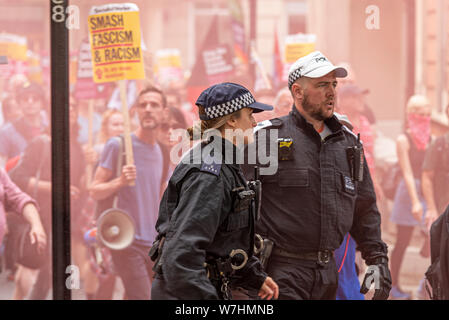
(238, 30)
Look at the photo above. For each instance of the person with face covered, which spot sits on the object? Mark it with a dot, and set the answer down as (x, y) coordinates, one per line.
(206, 217)
(321, 191)
(141, 200)
(409, 207)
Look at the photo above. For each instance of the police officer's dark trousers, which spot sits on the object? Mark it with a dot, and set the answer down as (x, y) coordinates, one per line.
(303, 279)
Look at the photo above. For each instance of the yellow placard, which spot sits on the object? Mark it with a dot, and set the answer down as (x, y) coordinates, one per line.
(167, 58)
(298, 45)
(34, 67)
(13, 46)
(115, 39)
(297, 50)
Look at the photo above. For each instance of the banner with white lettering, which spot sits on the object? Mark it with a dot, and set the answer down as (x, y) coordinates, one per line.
(85, 87)
(218, 63)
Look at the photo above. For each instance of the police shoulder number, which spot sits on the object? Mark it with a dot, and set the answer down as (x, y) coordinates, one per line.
(351, 133)
(211, 165)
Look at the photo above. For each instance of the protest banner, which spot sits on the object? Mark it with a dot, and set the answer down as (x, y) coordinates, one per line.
(218, 63)
(297, 46)
(87, 89)
(15, 48)
(167, 66)
(34, 67)
(115, 39)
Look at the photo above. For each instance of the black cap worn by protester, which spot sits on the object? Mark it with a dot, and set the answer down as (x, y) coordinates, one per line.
(225, 98)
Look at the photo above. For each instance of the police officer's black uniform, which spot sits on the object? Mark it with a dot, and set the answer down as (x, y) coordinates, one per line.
(310, 204)
(204, 219)
(207, 214)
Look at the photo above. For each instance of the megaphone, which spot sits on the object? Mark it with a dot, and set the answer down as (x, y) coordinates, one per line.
(115, 229)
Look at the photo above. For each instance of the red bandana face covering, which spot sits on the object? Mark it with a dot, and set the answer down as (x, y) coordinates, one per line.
(419, 127)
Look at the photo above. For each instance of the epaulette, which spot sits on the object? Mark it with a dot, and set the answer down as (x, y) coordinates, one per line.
(351, 132)
(344, 120)
(275, 123)
(210, 165)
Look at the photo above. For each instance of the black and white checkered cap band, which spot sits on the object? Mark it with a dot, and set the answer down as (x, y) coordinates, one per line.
(295, 75)
(230, 107)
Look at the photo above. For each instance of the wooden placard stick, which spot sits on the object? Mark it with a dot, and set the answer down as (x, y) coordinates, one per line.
(90, 119)
(127, 125)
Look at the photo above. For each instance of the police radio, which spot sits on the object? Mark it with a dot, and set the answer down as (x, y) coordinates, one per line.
(356, 160)
(256, 186)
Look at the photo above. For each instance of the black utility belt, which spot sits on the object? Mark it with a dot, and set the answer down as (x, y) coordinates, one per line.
(322, 257)
(236, 260)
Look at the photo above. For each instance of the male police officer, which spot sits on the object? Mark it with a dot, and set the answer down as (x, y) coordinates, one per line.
(321, 190)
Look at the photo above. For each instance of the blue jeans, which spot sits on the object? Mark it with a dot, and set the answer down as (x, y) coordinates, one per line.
(134, 267)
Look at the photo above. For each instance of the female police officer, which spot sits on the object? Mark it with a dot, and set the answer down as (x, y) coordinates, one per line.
(206, 217)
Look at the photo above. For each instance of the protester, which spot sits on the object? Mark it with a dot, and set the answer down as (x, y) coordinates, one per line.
(435, 177)
(111, 126)
(15, 200)
(14, 137)
(409, 207)
(10, 110)
(140, 201)
(174, 122)
(367, 112)
(174, 100)
(265, 96)
(15, 83)
(83, 122)
(35, 178)
(283, 102)
(351, 103)
(80, 156)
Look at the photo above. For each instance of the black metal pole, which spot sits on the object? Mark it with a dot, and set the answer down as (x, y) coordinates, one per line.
(60, 149)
